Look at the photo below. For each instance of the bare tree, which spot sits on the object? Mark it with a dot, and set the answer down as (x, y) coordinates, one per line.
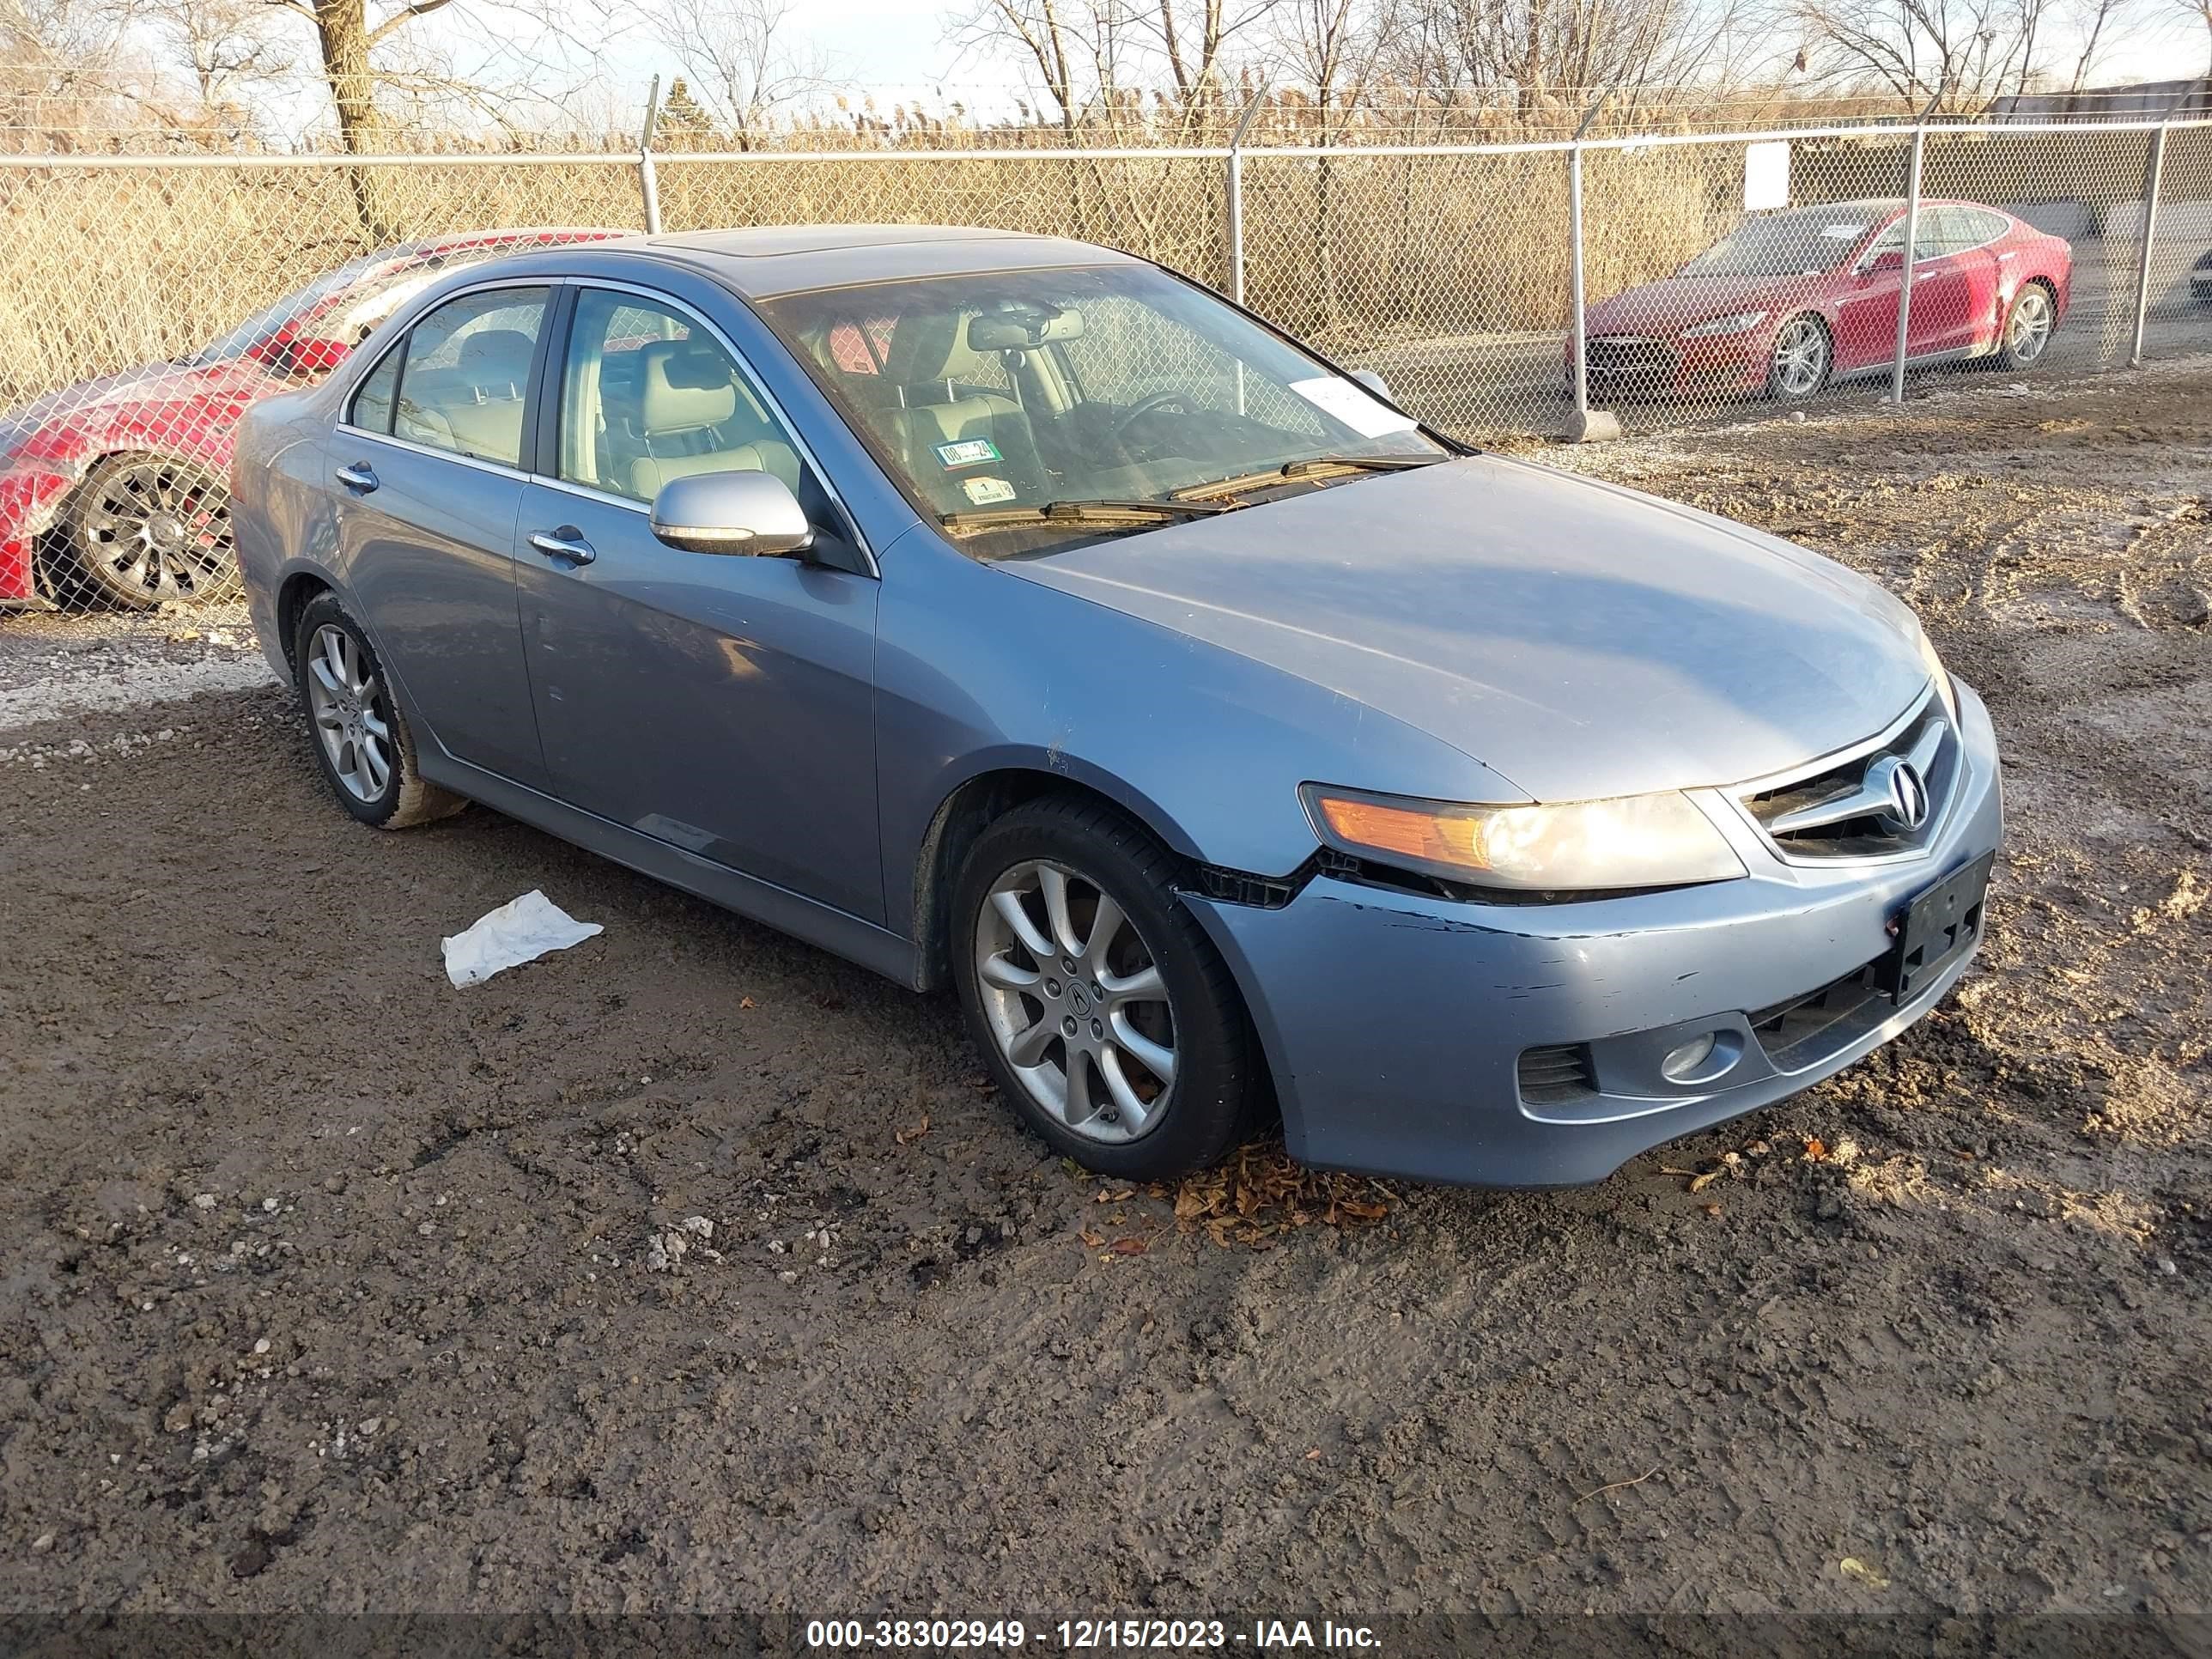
(1964, 52)
(229, 50)
(738, 59)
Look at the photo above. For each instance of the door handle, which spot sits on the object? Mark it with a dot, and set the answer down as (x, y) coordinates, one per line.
(361, 478)
(566, 543)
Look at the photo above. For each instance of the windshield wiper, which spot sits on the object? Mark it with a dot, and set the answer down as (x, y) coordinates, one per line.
(1307, 468)
(1075, 513)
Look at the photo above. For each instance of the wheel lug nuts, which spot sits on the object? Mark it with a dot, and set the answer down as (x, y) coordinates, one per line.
(1052, 988)
(1067, 1026)
(1097, 1029)
(1070, 966)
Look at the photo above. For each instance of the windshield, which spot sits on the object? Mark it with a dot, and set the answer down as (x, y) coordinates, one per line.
(1804, 243)
(992, 395)
(304, 302)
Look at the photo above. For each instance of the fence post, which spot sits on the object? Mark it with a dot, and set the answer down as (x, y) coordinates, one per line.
(1911, 244)
(2150, 235)
(648, 182)
(1235, 187)
(1584, 426)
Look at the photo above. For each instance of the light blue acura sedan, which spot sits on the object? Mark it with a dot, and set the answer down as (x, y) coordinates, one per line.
(1012, 613)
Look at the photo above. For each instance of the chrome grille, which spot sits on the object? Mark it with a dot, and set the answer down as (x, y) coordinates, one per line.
(1847, 809)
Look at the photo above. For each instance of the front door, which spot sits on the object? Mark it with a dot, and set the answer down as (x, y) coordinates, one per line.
(719, 702)
(426, 469)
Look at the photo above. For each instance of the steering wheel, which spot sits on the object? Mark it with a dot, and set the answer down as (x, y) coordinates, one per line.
(1146, 406)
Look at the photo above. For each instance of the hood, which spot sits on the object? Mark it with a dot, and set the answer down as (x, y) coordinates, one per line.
(1578, 639)
(1665, 308)
(154, 382)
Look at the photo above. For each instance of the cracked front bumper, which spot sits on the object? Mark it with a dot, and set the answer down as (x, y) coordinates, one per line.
(1396, 1024)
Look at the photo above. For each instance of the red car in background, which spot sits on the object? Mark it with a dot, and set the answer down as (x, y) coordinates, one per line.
(119, 482)
(1793, 300)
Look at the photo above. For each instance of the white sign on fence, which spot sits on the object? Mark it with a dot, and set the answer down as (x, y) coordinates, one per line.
(1767, 175)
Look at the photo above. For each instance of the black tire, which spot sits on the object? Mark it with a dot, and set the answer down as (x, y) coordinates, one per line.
(1785, 384)
(146, 530)
(1209, 1105)
(398, 798)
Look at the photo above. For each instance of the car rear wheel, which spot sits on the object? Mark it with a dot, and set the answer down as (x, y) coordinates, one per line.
(1803, 357)
(2028, 327)
(361, 739)
(147, 528)
(1101, 1009)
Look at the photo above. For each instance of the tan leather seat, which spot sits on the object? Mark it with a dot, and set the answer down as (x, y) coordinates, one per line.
(937, 373)
(692, 417)
(474, 408)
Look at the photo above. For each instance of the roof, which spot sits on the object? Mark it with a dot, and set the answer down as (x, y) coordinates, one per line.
(765, 260)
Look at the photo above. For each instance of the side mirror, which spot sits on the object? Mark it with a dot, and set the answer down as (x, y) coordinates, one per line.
(1888, 259)
(750, 513)
(1375, 383)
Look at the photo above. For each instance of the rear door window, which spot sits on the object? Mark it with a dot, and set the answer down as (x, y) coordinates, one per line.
(465, 373)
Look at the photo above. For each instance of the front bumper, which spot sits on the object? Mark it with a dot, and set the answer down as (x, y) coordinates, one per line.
(1636, 366)
(28, 497)
(1394, 1025)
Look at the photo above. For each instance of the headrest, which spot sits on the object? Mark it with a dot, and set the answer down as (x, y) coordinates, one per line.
(682, 387)
(933, 346)
(492, 356)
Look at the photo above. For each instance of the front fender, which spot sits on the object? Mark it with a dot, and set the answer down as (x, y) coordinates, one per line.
(979, 671)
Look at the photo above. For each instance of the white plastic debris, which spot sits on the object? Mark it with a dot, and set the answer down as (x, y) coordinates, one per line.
(522, 931)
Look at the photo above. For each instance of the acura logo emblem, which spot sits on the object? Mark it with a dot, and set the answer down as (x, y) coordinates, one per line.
(1904, 791)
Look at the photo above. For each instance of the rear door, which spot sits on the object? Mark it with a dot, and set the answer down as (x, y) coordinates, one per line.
(426, 472)
(719, 702)
(1942, 282)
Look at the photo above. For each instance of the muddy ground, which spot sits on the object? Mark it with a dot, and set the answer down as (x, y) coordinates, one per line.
(324, 1284)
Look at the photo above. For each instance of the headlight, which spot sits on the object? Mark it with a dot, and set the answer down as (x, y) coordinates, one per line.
(1634, 840)
(1736, 324)
(1933, 665)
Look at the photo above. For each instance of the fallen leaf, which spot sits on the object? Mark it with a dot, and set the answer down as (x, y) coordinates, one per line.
(1116, 1196)
(1092, 1241)
(747, 1002)
(1128, 1247)
(1712, 1209)
(905, 1137)
(1313, 1454)
(1815, 1149)
(1698, 1183)
(1872, 1577)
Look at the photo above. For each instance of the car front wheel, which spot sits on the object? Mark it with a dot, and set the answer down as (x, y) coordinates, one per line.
(1101, 1009)
(146, 529)
(361, 739)
(1803, 357)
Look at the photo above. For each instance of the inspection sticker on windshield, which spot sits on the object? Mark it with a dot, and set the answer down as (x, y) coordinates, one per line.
(987, 492)
(1843, 232)
(968, 452)
(1349, 402)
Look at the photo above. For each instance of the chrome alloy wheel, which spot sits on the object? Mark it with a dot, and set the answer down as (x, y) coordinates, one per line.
(2027, 328)
(351, 716)
(1074, 999)
(1801, 358)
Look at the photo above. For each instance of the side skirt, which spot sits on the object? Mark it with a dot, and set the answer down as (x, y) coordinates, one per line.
(848, 936)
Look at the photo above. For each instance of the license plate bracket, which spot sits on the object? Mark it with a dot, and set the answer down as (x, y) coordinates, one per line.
(1939, 924)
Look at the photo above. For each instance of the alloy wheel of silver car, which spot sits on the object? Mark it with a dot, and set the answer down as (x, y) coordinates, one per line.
(1074, 999)
(2027, 326)
(352, 718)
(148, 530)
(1801, 359)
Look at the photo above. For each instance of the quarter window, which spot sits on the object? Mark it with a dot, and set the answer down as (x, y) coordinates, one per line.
(466, 374)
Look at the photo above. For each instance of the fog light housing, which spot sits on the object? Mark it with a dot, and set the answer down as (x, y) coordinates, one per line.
(1704, 1058)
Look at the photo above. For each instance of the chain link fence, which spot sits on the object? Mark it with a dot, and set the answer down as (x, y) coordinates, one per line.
(145, 302)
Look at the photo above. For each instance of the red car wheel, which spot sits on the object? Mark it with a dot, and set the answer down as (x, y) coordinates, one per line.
(145, 529)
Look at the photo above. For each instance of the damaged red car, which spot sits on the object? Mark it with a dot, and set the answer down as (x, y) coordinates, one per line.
(114, 488)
